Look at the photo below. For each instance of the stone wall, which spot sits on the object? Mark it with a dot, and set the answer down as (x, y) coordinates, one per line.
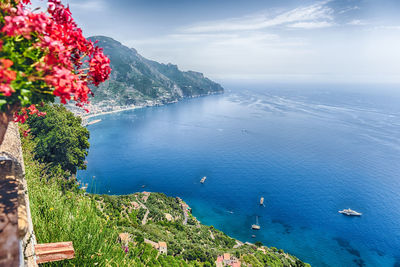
(16, 230)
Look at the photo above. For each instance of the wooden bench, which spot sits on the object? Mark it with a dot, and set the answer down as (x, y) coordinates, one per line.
(54, 252)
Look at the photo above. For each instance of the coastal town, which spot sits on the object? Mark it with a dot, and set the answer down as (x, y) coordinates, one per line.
(106, 107)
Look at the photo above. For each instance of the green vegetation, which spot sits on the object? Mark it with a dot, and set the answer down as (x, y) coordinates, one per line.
(60, 139)
(63, 212)
(71, 215)
(136, 80)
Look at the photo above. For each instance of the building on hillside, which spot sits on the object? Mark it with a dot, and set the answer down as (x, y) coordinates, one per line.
(160, 246)
(220, 261)
(227, 260)
(183, 204)
(135, 205)
(168, 217)
(124, 238)
(145, 196)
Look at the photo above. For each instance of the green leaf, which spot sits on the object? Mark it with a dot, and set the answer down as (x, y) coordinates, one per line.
(25, 91)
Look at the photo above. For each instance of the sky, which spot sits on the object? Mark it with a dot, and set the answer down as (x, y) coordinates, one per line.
(274, 40)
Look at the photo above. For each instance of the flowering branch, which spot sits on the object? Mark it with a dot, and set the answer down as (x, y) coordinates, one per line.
(41, 58)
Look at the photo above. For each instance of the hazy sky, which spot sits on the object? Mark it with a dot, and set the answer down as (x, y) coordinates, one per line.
(343, 40)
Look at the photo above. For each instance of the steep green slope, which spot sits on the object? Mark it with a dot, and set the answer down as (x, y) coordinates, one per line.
(62, 212)
(137, 80)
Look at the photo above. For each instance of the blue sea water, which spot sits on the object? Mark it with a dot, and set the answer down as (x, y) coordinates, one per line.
(309, 150)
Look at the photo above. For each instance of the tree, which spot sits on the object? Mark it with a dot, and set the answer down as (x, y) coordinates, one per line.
(258, 244)
(60, 138)
(44, 55)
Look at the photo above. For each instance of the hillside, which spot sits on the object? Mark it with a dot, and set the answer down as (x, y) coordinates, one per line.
(136, 80)
(130, 230)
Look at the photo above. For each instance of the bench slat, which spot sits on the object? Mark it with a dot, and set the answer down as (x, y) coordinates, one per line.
(54, 252)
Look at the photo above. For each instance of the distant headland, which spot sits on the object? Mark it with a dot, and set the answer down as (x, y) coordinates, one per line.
(138, 82)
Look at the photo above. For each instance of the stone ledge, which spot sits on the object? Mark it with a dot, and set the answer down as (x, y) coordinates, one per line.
(16, 236)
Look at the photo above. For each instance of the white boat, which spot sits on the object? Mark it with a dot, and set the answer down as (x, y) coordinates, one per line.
(350, 212)
(256, 226)
(262, 201)
(203, 179)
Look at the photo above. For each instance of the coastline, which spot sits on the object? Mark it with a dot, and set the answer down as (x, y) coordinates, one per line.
(110, 112)
(105, 109)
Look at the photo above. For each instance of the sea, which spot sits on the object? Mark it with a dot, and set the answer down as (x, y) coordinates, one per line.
(309, 149)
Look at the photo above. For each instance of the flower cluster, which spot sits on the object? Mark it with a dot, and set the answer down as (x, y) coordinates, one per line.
(6, 77)
(54, 58)
(23, 114)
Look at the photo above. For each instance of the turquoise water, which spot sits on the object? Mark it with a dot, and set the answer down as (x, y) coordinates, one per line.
(309, 150)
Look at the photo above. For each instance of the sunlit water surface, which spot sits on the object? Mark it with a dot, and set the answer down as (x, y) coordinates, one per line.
(309, 150)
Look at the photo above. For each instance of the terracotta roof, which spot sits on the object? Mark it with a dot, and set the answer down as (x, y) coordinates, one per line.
(162, 244)
(124, 237)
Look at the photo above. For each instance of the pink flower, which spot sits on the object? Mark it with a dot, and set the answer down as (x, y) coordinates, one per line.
(6, 90)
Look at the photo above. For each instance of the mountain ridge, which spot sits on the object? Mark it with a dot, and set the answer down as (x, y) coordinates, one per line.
(136, 80)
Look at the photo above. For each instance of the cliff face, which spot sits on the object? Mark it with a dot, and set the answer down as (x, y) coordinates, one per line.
(137, 80)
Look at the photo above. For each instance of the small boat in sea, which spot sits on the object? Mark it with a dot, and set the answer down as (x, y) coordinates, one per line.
(256, 226)
(253, 236)
(261, 201)
(203, 179)
(350, 212)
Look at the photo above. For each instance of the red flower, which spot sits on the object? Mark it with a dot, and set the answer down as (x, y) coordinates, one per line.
(33, 110)
(6, 63)
(21, 116)
(6, 77)
(63, 46)
(26, 133)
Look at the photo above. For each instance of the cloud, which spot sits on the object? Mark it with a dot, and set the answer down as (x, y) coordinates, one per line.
(348, 9)
(311, 25)
(387, 27)
(91, 5)
(219, 40)
(357, 22)
(318, 13)
(76, 5)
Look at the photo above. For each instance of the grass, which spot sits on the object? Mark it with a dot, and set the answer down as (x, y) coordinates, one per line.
(69, 216)
(62, 212)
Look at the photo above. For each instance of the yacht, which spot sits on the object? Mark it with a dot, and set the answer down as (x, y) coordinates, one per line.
(350, 212)
(203, 179)
(256, 226)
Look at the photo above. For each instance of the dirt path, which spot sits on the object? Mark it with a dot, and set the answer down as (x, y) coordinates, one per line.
(144, 221)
